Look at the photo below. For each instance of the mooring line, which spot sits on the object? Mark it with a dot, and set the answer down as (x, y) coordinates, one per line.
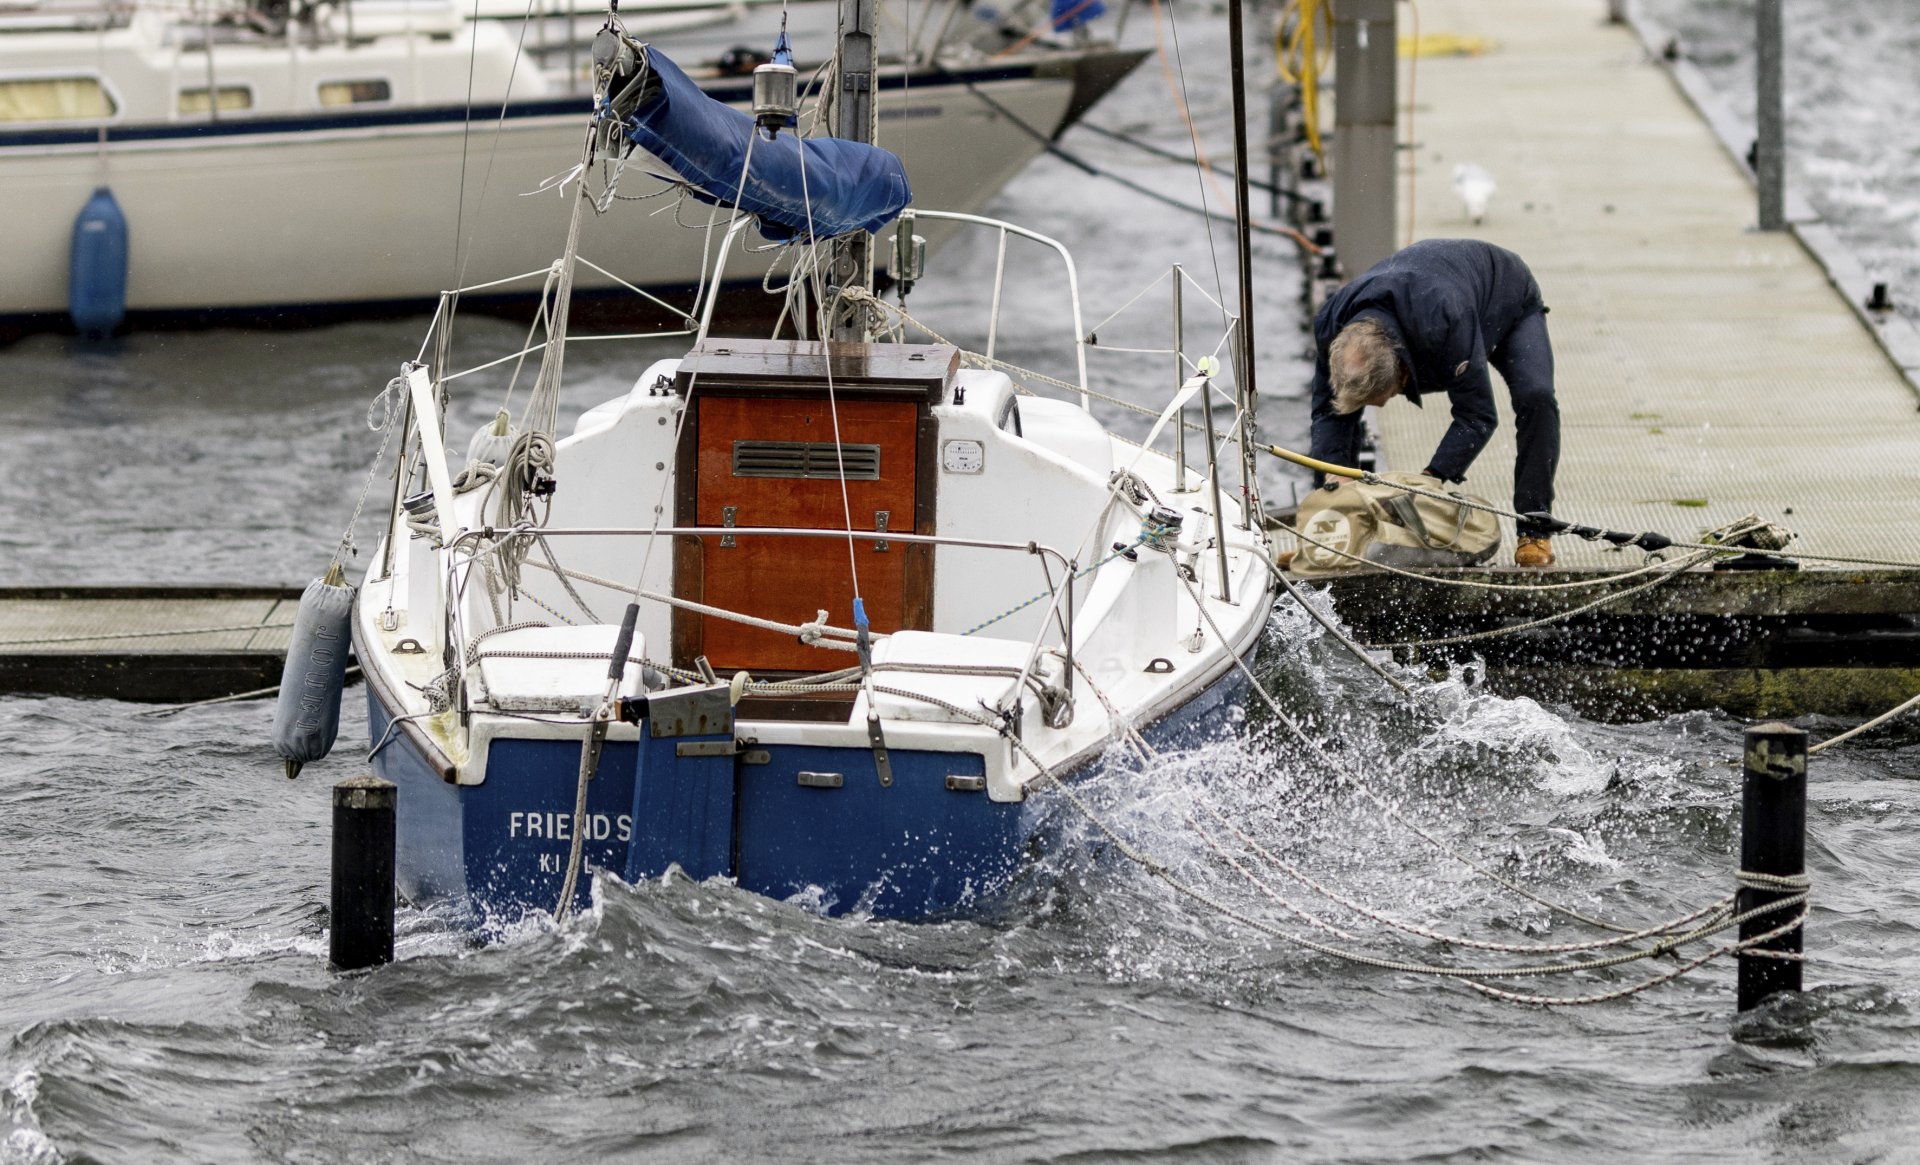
(147, 634)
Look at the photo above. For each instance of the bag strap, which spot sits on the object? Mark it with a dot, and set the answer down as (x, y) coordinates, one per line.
(1403, 509)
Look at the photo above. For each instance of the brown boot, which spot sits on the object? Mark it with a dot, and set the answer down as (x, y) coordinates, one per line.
(1533, 552)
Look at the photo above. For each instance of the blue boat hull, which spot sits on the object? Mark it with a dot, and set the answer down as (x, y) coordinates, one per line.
(498, 851)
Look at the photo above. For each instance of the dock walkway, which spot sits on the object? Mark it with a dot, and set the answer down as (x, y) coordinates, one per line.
(168, 644)
(1704, 369)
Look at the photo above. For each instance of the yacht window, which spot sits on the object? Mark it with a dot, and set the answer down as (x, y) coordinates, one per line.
(54, 99)
(232, 98)
(355, 92)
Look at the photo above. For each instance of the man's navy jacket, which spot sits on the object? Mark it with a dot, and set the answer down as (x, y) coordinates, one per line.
(1446, 303)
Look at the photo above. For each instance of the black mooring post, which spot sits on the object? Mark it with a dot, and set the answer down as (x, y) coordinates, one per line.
(363, 830)
(1773, 840)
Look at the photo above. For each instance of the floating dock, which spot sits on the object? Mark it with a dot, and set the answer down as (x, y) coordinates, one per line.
(1760, 643)
(157, 644)
(1705, 370)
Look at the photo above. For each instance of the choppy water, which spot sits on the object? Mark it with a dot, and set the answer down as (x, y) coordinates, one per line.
(162, 890)
(1852, 109)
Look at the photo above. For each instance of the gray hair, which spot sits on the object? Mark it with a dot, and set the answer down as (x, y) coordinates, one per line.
(1363, 365)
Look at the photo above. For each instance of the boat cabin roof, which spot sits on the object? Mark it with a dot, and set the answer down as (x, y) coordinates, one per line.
(745, 367)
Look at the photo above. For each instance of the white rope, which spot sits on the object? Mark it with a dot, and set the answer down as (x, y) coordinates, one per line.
(1479, 584)
(1359, 785)
(1712, 909)
(147, 634)
(1715, 547)
(1331, 627)
(1679, 567)
(1873, 723)
(814, 634)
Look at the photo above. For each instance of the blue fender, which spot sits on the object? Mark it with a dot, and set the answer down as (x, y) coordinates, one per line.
(307, 717)
(97, 276)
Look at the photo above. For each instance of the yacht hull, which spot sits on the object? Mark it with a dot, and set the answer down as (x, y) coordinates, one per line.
(497, 851)
(337, 213)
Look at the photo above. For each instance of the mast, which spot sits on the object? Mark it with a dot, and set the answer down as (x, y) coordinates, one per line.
(1243, 243)
(1243, 376)
(854, 115)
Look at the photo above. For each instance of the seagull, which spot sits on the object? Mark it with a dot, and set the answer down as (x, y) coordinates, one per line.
(1475, 187)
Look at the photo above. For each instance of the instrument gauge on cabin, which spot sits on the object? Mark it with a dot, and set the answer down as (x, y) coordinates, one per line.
(963, 456)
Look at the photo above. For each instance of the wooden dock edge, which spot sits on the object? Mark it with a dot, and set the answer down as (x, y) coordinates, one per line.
(56, 640)
(1751, 643)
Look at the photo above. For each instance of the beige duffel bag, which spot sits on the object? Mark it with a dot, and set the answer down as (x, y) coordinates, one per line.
(1390, 527)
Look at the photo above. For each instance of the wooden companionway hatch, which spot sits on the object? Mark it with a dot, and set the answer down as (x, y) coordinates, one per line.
(760, 449)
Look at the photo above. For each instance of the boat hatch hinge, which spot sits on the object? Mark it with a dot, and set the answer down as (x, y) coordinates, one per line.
(706, 748)
(727, 516)
(882, 764)
(880, 520)
(756, 756)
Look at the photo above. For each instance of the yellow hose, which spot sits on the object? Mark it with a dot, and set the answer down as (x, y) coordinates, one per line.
(1326, 467)
(1446, 44)
(1299, 60)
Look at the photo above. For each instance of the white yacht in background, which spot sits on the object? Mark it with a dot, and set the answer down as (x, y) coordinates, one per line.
(291, 165)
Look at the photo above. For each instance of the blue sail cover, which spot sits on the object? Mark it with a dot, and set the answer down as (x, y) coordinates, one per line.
(848, 186)
(1071, 14)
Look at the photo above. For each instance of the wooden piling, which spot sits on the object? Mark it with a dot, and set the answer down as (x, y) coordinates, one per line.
(1773, 844)
(363, 842)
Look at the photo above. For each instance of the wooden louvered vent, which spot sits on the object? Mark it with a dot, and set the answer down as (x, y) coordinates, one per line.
(806, 459)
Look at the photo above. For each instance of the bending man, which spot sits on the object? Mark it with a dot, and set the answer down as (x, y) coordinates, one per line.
(1431, 319)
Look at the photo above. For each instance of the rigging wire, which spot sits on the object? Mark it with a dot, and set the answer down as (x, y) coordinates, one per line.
(463, 254)
(1179, 93)
(1413, 147)
(833, 408)
(686, 408)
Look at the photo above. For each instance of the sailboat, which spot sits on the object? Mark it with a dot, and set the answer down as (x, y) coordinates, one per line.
(297, 164)
(818, 614)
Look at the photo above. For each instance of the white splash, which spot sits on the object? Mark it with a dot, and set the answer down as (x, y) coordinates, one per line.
(1587, 848)
(25, 1143)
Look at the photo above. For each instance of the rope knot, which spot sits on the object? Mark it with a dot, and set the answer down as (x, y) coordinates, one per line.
(812, 632)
